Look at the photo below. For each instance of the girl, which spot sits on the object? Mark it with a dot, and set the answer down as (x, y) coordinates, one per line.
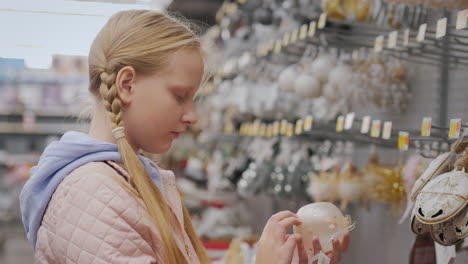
(92, 198)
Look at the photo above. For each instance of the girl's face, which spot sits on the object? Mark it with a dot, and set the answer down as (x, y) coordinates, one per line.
(161, 105)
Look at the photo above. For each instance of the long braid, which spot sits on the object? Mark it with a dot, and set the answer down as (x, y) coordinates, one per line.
(111, 101)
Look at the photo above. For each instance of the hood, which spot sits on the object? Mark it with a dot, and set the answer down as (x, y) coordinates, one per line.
(59, 159)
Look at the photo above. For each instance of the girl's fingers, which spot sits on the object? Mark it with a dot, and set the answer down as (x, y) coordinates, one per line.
(316, 245)
(345, 243)
(303, 258)
(281, 215)
(336, 251)
(290, 245)
(284, 225)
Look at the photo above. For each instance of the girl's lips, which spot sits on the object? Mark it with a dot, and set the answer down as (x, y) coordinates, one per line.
(176, 134)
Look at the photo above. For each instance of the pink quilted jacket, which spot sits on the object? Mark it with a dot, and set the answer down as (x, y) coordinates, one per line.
(91, 218)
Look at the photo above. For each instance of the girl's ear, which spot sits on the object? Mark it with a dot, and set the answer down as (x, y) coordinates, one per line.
(124, 81)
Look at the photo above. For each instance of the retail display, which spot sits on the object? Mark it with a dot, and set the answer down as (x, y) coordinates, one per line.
(326, 81)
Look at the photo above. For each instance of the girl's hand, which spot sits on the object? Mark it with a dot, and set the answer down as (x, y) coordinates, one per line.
(275, 245)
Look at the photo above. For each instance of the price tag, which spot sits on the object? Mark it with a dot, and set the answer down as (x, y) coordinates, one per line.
(376, 128)
(256, 128)
(299, 126)
(403, 140)
(349, 121)
(340, 124)
(275, 128)
(308, 122)
(406, 37)
(392, 39)
(286, 39)
(251, 129)
(289, 130)
(322, 21)
(421, 33)
(379, 43)
(277, 48)
(294, 35)
(263, 130)
(312, 28)
(426, 127)
(283, 127)
(387, 130)
(303, 32)
(441, 28)
(455, 128)
(269, 130)
(365, 126)
(462, 19)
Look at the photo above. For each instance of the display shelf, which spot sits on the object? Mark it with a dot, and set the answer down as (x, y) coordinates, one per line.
(41, 129)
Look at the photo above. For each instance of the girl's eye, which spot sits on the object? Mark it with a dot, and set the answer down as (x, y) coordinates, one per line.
(180, 98)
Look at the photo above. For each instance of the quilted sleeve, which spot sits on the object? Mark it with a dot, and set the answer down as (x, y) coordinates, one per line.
(98, 221)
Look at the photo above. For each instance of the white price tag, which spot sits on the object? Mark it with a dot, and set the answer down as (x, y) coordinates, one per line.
(426, 127)
(421, 33)
(462, 19)
(441, 28)
(376, 128)
(406, 37)
(322, 21)
(308, 122)
(349, 121)
(312, 28)
(455, 128)
(303, 32)
(379, 43)
(392, 39)
(387, 130)
(365, 126)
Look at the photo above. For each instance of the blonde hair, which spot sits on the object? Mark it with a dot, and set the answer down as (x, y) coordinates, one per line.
(144, 40)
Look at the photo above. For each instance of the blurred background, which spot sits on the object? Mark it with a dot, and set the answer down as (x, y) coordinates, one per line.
(346, 101)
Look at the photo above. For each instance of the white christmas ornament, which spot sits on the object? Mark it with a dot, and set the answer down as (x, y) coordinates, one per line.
(322, 66)
(286, 79)
(307, 85)
(442, 198)
(436, 167)
(323, 220)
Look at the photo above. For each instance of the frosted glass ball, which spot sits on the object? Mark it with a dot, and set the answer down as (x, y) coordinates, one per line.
(322, 66)
(286, 79)
(322, 220)
(307, 85)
